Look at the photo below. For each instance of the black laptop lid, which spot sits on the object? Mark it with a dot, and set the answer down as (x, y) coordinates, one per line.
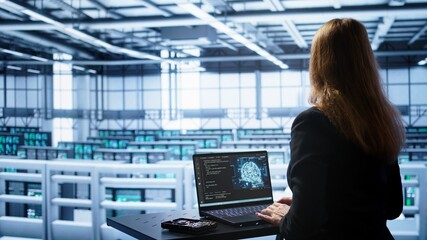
(232, 179)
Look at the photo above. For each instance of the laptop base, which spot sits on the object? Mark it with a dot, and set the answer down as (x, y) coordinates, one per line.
(239, 221)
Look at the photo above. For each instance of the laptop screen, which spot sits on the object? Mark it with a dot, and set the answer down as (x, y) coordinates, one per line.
(232, 178)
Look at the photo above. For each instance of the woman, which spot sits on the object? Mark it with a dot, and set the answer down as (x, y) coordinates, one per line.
(343, 171)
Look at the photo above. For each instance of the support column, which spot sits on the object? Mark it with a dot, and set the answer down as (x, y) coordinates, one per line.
(258, 95)
(82, 101)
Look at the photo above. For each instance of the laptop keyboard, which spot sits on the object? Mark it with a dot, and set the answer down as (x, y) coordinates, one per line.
(238, 211)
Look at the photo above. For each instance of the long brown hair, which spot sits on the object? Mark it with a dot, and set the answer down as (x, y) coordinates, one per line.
(346, 86)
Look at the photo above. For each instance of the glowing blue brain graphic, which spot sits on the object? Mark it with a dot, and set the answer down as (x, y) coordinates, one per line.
(251, 173)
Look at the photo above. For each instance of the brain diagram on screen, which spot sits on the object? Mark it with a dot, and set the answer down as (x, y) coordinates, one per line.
(252, 174)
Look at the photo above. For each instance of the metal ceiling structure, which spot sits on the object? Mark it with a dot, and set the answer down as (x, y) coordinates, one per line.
(276, 33)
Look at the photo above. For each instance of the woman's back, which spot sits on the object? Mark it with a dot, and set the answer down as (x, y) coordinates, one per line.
(352, 193)
(343, 170)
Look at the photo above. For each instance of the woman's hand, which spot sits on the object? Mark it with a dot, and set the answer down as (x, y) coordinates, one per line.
(275, 212)
(285, 200)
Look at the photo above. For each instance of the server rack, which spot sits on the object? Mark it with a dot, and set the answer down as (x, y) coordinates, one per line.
(44, 153)
(210, 131)
(17, 130)
(178, 150)
(9, 143)
(145, 138)
(4, 129)
(203, 141)
(112, 133)
(256, 144)
(416, 143)
(81, 150)
(41, 139)
(118, 142)
(222, 136)
(274, 137)
(159, 133)
(258, 131)
(413, 154)
(137, 156)
(419, 129)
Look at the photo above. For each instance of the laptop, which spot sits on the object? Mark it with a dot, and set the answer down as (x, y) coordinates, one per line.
(233, 186)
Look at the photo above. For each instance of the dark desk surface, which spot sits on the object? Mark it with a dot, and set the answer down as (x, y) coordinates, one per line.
(147, 226)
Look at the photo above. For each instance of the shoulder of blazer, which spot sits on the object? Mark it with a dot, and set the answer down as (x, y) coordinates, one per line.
(312, 114)
(315, 121)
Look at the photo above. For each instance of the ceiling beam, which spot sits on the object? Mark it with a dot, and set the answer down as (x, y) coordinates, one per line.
(287, 56)
(382, 30)
(232, 33)
(418, 35)
(105, 9)
(8, 14)
(260, 38)
(48, 43)
(409, 11)
(227, 45)
(147, 42)
(219, 5)
(78, 34)
(318, 15)
(125, 23)
(42, 41)
(69, 8)
(275, 5)
(292, 29)
(151, 5)
(288, 25)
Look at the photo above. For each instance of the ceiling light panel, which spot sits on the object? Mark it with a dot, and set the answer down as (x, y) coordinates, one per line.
(40, 59)
(23, 55)
(33, 71)
(13, 52)
(14, 67)
(78, 68)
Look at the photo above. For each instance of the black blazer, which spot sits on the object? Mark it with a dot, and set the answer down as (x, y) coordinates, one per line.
(339, 192)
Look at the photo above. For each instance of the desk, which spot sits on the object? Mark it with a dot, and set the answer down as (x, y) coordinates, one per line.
(147, 226)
